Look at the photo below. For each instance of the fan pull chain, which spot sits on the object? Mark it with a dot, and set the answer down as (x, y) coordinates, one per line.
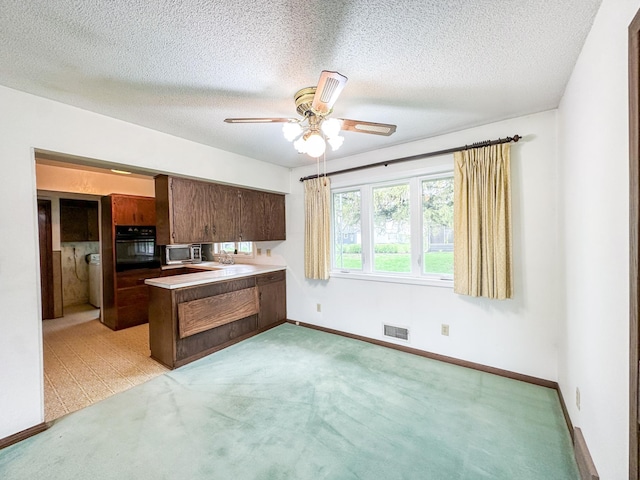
(324, 158)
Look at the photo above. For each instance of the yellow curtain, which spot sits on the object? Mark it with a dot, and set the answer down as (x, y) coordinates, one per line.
(482, 222)
(317, 224)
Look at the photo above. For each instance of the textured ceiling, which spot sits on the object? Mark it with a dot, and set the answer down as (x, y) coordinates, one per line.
(182, 66)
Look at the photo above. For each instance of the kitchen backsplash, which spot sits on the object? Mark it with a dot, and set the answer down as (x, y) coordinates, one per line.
(75, 271)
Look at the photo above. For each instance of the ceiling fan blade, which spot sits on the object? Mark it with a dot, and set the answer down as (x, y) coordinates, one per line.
(329, 87)
(259, 120)
(385, 129)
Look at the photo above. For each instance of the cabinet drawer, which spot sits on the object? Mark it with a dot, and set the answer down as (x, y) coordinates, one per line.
(131, 315)
(267, 278)
(133, 306)
(138, 295)
(170, 272)
(135, 278)
(206, 313)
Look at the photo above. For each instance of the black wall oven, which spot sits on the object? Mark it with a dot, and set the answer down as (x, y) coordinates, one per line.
(136, 247)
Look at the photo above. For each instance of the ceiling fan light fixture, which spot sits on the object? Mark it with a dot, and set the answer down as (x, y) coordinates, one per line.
(291, 131)
(315, 145)
(335, 142)
(311, 133)
(300, 145)
(331, 127)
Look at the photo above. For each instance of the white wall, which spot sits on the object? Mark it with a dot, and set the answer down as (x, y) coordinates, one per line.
(59, 179)
(518, 334)
(27, 123)
(593, 176)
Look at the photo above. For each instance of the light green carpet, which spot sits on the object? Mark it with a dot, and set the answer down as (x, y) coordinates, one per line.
(294, 403)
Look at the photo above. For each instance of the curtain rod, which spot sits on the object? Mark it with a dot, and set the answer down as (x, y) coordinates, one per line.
(486, 143)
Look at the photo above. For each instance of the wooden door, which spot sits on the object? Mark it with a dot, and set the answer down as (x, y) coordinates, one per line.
(634, 247)
(46, 258)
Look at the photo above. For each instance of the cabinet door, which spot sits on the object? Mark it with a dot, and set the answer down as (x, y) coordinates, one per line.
(226, 210)
(123, 210)
(191, 211)
(203, 212)
(78, 220)
(92, 219)
(145, 211)
(261, 216)
(133, 304)
(130, 210)
(252, 219)
(272, 293)
(274, 214)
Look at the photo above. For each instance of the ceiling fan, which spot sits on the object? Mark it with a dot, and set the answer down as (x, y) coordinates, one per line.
(315, 104)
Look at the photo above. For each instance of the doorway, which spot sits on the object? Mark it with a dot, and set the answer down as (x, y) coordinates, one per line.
(84, 361)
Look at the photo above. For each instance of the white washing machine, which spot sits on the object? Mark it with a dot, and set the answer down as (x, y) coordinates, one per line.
(95, 279)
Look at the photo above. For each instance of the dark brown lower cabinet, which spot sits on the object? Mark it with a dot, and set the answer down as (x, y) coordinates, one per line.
(272, 291)
(126, 298)
(188, 323)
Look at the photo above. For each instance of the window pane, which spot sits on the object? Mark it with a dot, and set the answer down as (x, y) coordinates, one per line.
(347, 241)
(245, 248)
(228, 247)
(392, 229)
(437, 230)
(242, 248)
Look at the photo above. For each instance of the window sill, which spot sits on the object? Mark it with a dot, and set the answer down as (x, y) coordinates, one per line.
(377, 277)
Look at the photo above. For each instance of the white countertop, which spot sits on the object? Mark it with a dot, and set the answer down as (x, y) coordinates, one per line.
(211, 272)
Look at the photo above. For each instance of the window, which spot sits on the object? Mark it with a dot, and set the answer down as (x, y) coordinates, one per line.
(234, 248)
(347, 238)
(391, 229)
(401, 229)
(437, 226)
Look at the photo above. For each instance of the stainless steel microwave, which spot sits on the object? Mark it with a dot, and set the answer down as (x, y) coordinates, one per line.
(175, 254)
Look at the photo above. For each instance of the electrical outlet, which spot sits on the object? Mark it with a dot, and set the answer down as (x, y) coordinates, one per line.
(259, 251)
(318, 308)
(268, 252)
(444, 329)
(578, 398)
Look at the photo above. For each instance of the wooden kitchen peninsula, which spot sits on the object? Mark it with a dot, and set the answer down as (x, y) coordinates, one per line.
(195, 314)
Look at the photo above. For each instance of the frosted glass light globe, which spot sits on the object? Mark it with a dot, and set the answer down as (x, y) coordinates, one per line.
(315, 145)
(291, 130)
(300, 145)
(336, 142)
(331, 127)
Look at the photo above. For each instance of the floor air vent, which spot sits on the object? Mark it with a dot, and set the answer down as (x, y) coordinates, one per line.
(396, 332)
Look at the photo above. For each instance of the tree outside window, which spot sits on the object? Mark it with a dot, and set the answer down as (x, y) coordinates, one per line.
(392, 229)
(347, 235)
(437, 226)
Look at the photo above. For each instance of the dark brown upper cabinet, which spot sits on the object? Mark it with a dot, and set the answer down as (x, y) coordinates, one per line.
(133, 210)
(78, 220)
(191, 211)
(262, 216)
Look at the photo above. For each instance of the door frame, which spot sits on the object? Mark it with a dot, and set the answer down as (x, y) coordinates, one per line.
(45, 247)
(634, 242)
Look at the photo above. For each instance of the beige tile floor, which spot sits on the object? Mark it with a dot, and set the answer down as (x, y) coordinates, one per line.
(85, 362)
